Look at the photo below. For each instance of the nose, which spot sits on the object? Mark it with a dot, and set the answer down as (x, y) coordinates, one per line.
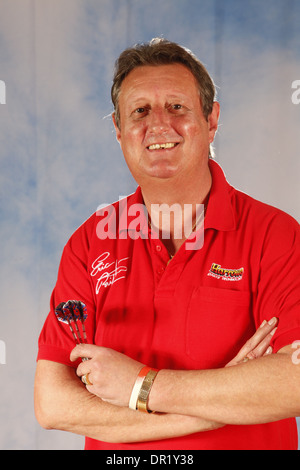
(158, 121)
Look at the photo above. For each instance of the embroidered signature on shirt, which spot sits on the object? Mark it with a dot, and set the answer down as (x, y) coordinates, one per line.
(110, 271)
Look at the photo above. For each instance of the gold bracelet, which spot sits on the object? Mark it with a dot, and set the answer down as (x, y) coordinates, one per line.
(143, 396)
(137, 386)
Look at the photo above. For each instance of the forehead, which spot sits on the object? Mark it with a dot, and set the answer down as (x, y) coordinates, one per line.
(173, 79)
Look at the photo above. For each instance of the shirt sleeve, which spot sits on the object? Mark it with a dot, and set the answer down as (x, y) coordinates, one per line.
(279, 286)
(56, 340)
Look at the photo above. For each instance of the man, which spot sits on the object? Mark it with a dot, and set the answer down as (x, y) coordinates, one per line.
(171, 324)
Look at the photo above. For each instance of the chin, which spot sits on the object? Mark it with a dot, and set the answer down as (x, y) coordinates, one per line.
(162, 172)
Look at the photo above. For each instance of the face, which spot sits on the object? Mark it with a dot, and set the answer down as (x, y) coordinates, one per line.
(163, 133)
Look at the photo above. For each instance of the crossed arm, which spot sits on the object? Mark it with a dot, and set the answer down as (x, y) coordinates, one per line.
(261, 390)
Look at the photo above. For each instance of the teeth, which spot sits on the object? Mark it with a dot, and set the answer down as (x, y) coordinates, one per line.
(168, 145)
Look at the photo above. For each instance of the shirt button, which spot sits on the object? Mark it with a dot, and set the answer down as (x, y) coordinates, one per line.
(158, 248)
(160, 270)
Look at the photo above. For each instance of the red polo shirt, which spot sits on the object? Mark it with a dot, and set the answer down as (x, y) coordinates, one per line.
(195, 312)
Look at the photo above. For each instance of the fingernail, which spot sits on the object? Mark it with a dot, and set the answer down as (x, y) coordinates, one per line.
(263, 323)
(272, 321)
(269, 350)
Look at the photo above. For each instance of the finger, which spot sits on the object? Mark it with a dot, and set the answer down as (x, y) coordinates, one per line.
(90, 388)
(261, 333)
(83, 350)
(235, 361)
(263, 346)
(261, 336)
(83, 368)
(268, 351)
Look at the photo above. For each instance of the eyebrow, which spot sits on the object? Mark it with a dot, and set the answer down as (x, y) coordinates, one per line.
(144, 99)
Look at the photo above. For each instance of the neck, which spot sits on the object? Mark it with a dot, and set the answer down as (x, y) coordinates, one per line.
(174, 207)
(177, 190)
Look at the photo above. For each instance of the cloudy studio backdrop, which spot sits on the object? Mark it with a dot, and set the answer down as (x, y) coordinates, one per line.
(59, 158)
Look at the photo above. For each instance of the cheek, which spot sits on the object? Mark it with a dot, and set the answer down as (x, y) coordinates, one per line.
(132, 136)
(195, 132)
(130, 144)
(127, 142)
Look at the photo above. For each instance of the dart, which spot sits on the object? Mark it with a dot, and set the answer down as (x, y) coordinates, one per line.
(72, 312)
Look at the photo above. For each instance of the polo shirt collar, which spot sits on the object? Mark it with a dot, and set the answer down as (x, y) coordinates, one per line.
(219, 212)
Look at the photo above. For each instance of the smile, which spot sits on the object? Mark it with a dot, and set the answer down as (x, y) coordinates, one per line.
(167, 145)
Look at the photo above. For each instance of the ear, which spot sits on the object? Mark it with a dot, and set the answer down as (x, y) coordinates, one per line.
(118, 131)
(213, 120)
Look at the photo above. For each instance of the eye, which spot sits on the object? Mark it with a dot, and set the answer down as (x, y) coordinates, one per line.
(140, 110)
(176, 108)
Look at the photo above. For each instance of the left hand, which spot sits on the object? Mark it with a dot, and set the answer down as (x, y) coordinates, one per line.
(112, 373)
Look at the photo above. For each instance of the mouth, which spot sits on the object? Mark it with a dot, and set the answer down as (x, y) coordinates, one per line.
(167, 145)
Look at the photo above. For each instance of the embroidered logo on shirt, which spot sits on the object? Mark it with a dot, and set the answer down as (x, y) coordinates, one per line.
(225, 274)
(109, 271)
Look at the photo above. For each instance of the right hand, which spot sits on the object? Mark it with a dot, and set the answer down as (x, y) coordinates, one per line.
(258, 345)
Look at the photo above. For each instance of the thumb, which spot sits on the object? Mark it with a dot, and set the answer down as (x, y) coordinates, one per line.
(83, 351)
